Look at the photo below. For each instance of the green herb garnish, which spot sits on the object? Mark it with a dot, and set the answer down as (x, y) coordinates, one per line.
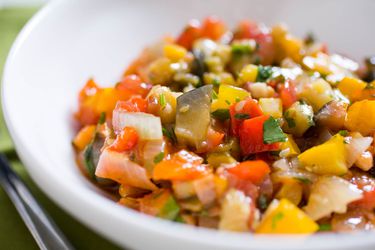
(88, 161)
(169, 133)
(264, 73)
(272, 131)
(303, 179)
(227, 102)
(214, 95)
(241, 116)
(262, 202)
(159, 157)
(170, 209)
(162, 100)
(216, 82)
(221, 114)
(343, 133)
(325, 227)
(276, 218)
(289, 120)
(101, 118)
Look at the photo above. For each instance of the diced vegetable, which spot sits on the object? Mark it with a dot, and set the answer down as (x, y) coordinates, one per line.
(118, 167)
(181, 166)
(243, 110)
(160, 71)
(260, 90)
(228, 95)
(254, 171)
(174, 52)
(152, 152)
(84, 137)
(147, 126)
(205, 189)
(299, 118)
(191, 32)
(236, 211)
(284, 217)
(287, 92)
(330, 194)
(271, 106)
(213, 28)
(161, 204)
(125, 140)
(272, 132)
(367, 184)
(355, 219)
(183, 189)
(355, 146)
(193, 116)
(134, 84)
(318, 93)
(317, 160)
(289, 148)
(332, 115)
(358, 120)
(351, 87)
(365, 161)
(216, 159)
(251, 136)
(291, 191)
(248, 74)
(162, 102)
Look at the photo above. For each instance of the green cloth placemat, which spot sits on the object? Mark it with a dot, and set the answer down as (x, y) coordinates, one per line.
(13, 233)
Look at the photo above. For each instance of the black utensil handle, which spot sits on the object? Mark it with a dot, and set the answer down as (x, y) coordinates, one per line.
(43, 229)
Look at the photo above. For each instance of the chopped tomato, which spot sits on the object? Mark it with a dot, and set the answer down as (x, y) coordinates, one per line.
(249, 188)
(367, 185)
(126, 140)
(252, 30)
(181, 166)
(251, 136)
(287, 92)
(84, 137)
(213, 28)
(238, 111)
(88, 98)
(254, 171)
(192, 32)
(134, 84)
(135, 104)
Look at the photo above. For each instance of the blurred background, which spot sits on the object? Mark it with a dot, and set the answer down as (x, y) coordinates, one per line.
(13, 233)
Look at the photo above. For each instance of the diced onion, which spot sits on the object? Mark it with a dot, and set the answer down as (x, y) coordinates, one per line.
(148, 126)
(356, 147)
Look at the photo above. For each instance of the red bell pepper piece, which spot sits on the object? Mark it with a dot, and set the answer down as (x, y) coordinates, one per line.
(251, 136)
(287, 92)
(126, 140)
(135, 85)
(213, 28)
(248, 107)
(254, 171)
(192, 32)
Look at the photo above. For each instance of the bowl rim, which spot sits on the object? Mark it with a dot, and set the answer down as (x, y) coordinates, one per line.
(145, 223)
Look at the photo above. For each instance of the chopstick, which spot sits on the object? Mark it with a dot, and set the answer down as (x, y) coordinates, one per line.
(43, 229)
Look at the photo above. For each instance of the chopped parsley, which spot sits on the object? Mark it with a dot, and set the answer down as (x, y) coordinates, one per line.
(276, 218)
(343, 133)
(303, 179)
(272, 131)
(169, 133)
(214, 95)
(325, 227)
(227, 102)
(289, 120)
(221, 114)
(241, 116)
(101, 118)
(216, 82)
(159, 157)
(246, 47)
(264, 72)
(162, 100)
(170, 210)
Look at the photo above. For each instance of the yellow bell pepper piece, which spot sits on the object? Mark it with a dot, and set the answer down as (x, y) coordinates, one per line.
(327, 158)
(361, 117)
(351, 87)
(283, 217)
(174, 52)
(291, 191)
(248, 73)
(84, 137)
(228, 95)
(317, 94)
(289, 147)
(271, 106)
(221, 185)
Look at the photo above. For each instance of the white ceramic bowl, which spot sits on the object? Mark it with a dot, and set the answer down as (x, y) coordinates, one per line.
(69, 41)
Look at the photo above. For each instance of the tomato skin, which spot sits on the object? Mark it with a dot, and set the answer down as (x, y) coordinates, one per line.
(254, 171)
(367, 185)
(213, 28)
(135, 104)
(287, 92)
(249, 107)
(181, 166)
(134, 84)
(251, 30)
(126, 140)
(192, 32)
(251, 136)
